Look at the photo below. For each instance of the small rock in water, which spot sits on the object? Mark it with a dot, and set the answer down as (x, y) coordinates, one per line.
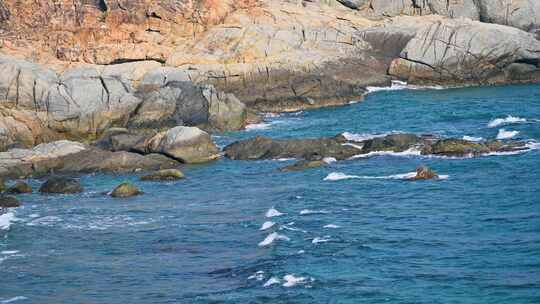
(2, 185)
(303, 164)
(164, 175)
(125, 190)
(61, 185)
(19, 188)
(423, 173)
(9, 202)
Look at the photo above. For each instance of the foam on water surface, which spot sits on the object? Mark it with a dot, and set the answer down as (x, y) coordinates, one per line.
(504, 134)
(267, 225)
(505, 121)
(272, 212)
(6, 220)
(272, 237)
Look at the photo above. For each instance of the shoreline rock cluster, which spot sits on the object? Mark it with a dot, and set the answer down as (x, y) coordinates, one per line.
(92, 86)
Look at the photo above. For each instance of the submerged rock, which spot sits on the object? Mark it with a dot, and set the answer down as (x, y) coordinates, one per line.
(164, 175)
(303, 164)
(19, 188)
(423, 173)
(61, 185)
(125, 190)
(9, 202)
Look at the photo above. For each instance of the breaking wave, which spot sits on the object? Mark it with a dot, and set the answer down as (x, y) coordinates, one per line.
(505, 121)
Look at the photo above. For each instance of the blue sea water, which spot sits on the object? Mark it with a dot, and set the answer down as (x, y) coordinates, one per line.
(471, 238)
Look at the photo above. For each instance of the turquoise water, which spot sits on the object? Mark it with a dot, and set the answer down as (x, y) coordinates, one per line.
(472, 238)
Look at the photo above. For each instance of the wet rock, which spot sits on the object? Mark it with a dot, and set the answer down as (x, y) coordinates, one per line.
(261, 147)
(125, 190)
(119, 139)
(303, 165)
(424, 173)
(2, 185)
(164, 175)
(392, 142)
(61, 185)
(456, 147)
(186, 144)
(9, 202)
(19, 188)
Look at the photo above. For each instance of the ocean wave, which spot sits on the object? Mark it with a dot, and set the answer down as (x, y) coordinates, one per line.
(364, 136)
(503, 134)
(272, 281)
(336, 176)
(318, 240)
(331, 226)
(409, 152)
(6, 220)
(259, 276)
(272, 212)
(505, 121)
(329, 160)
(258, 126)
(309, 211)
(11, 300)
(267, 225)
(402, 85)
(272, 237)
(291, 280)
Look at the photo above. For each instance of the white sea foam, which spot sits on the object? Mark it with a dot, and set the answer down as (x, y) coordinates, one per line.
(272, 237)
(331, 226)
(45, 221)
(401, 85)
(336, 176)
(267, 225)
(271, 281)
(272, 212)
(285, 159)
(503, 134)
(258, 126)
(472, 138)
(361, 136)
(301, 251)
(259, 276)
(352, 145)
(318, 240)
(6, 220)
(409, 152)
(329, 160)
(506, 121)
(18, 298)
(309, 211)
(288, 227)
(291, 280)
(8, 252)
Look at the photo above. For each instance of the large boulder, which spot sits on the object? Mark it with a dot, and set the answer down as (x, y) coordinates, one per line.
(168, 103)
(312, 149)
(119, 139)
(455, 52)
(186, 144)
(424, 173)
(61, 185)
(392, 142)
(522, 14)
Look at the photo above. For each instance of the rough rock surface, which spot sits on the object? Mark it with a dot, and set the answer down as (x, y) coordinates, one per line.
(61, 185)
(449, 51)
(303, 165)
(340, 148)
(9, 202)
(186, 144)
(164, 175)
(71, 157)
(125, 190)
(19, 188)
(423, 173)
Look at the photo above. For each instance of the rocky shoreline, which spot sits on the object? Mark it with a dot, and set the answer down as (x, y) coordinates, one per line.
(105, 87)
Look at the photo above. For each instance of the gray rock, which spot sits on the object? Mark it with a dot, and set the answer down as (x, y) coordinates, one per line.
(19, 188)
(61, 185)
(523, 14)
(164, 175)
(125, 190)
(303, 165)
(447, 51)
(186, 144)
(9, 202)
(119, 139)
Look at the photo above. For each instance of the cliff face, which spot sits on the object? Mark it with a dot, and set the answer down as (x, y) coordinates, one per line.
(77, 68)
